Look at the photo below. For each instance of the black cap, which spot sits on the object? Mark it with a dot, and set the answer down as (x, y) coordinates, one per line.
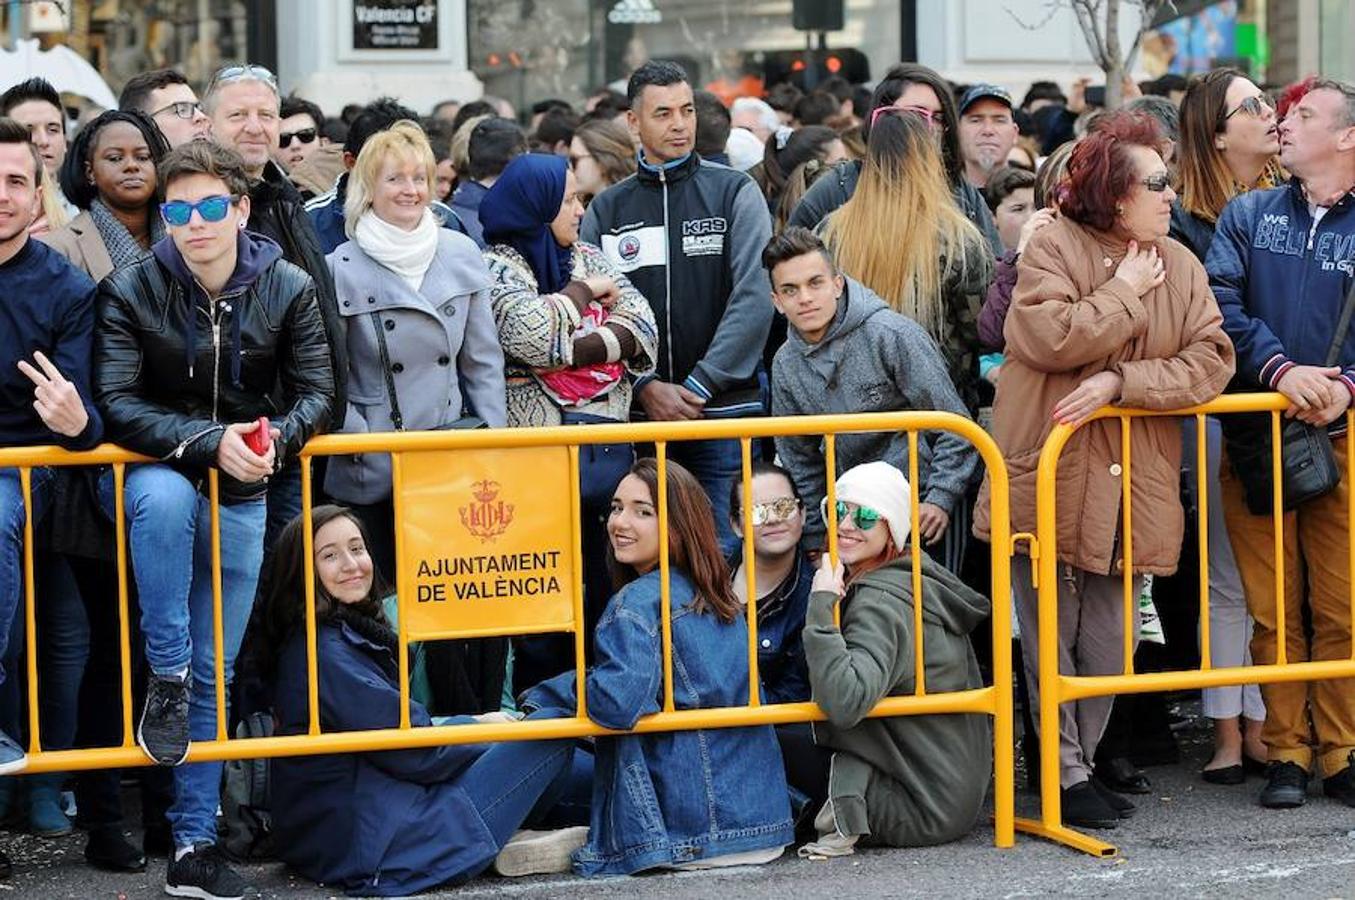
(978, 92)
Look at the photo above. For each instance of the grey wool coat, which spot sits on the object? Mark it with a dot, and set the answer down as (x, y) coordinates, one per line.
(443, 348)
(871, 359)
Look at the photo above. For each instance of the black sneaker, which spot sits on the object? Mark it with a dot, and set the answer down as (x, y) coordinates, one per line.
(163, 729)
(203, 873)
(1341, 786)
(1084, 808)
(1122, 806)
(1286, 786)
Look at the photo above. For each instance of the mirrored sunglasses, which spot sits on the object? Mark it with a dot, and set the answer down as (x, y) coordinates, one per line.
(305, 136)
(864, 517)
(178, 213)
(778, 510)
(934, 118)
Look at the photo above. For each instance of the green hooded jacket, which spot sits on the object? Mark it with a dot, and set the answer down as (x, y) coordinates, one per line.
(908, 780)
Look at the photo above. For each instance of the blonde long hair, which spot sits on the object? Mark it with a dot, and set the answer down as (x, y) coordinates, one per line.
(405, 139)
(902, 234)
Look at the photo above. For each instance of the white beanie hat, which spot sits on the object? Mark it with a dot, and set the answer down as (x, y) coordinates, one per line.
(743, 149)
(881, 487)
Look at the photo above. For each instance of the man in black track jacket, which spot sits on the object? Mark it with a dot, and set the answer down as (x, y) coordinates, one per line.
(689, 234)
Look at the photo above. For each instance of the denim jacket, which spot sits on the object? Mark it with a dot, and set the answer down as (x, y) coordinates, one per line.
(668, 798)
(780, 624)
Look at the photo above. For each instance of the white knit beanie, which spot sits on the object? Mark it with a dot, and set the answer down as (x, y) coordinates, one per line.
(881, 487)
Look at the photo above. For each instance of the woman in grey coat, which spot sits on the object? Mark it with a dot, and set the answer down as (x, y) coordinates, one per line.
(423, 352)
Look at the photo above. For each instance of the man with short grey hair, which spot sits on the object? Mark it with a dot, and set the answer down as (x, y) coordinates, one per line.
(1282, 267)
(244, 104)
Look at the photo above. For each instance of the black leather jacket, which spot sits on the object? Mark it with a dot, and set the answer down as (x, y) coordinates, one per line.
(278, 211)
(264, 330)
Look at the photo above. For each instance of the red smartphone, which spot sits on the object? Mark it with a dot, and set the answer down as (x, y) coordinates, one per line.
(260, 438)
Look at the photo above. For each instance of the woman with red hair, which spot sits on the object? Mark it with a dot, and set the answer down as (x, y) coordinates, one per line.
(1107, 311)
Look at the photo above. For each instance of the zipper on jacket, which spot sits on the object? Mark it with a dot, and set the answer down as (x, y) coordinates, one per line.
(667, 276)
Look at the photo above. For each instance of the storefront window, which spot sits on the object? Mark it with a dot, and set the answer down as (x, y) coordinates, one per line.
(194, 36)
(1338, 39)
(527, 50)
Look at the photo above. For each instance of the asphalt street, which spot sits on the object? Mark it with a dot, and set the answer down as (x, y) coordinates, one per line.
(1188, 839)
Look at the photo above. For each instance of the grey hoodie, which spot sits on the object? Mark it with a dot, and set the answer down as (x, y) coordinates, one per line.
(871, 359)
(909, 780)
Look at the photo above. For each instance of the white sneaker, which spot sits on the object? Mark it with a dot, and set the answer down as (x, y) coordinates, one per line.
(540, 852)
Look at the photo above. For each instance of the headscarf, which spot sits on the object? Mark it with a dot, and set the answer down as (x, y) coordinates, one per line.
(518, 211)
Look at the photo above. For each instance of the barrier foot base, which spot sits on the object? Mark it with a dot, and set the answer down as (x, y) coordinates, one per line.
(1067, 837)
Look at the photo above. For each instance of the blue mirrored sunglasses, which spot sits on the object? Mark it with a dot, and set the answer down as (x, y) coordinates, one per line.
(177, 213)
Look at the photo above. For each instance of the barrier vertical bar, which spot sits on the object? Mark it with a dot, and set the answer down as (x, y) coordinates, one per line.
(124, 628)
(1277, 515)
(830, 509)
(1004, 763)
(30, 611)
(308, 592)
(665, 586)
(402, 576)
(1202, 527)
(1050, 685)
(580, 622)
(218, 627)
(750, 570)
(1350, 519)
(1131, 599)
(919, 661)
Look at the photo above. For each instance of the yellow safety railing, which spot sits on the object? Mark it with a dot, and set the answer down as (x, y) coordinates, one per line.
(994, 700)
(1056, 688)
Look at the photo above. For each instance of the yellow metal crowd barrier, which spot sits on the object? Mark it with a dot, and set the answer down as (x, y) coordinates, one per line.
(1056, 688)
(535, 530)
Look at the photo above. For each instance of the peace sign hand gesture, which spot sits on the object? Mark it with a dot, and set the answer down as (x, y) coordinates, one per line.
(57, 401)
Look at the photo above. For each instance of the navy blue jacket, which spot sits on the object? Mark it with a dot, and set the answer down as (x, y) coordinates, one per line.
(1280, 288)
(664, 799)
(49, 306)
(386, 823)
(780, 628)
(326, 212)
(466, 200)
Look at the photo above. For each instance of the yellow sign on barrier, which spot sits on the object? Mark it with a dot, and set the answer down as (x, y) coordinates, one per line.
(487, 541)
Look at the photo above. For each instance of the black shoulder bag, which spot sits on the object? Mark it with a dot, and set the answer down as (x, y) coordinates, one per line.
(1308, 461)
(397, 419)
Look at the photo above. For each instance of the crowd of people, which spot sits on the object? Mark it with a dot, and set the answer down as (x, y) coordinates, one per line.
(209, 281)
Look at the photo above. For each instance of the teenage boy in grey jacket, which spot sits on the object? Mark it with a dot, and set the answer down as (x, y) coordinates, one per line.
(847, 352)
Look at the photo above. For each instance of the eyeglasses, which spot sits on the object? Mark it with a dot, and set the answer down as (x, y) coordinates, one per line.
(934, 118)
(778, 510)
(182, 109)
(305, 136)
(177, 213)
(1157, 183)
(1254, 106)
(864, 517)
(240, 73)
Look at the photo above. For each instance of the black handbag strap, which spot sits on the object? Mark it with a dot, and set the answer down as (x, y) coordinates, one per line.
(396, 419)
(1342, 327)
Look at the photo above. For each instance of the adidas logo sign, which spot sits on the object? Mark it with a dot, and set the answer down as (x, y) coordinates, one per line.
(634, 12)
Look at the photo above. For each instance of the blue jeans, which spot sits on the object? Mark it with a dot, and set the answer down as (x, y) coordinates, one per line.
(12, 518)
(717, 465)
(171, 545)
(517, 780)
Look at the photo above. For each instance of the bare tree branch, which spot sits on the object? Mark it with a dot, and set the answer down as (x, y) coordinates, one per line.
(1049, 17)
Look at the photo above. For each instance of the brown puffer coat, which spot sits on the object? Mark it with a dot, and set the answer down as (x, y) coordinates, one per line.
(1071, 318)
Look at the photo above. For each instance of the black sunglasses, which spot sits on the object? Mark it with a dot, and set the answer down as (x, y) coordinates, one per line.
(1253, 106)
(305, 136)
(1157, 183)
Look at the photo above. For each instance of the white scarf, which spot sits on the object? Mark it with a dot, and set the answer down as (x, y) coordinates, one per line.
(406, 253)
